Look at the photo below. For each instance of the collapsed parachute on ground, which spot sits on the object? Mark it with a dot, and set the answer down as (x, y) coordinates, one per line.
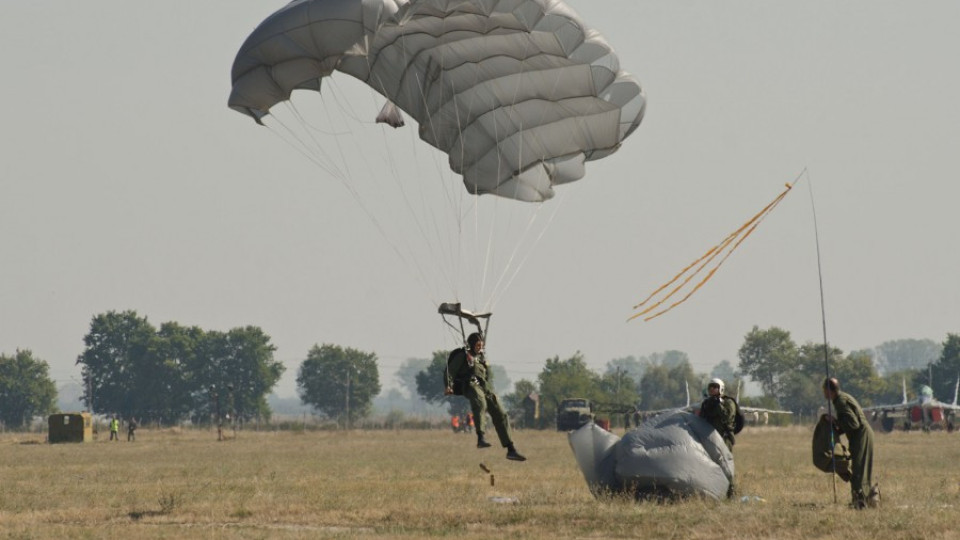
(518, 93)
(670, 456)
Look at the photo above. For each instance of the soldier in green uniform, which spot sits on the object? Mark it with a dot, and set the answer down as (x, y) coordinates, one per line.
(849, 420)
(467, 372)
(720, 411)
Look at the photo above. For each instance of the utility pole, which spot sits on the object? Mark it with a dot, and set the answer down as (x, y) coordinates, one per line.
(347, 401)
(216, 404)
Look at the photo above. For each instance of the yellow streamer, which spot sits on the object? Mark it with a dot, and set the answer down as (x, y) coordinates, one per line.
(735, 238)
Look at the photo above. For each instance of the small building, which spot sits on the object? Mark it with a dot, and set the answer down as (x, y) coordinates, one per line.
(70, 427)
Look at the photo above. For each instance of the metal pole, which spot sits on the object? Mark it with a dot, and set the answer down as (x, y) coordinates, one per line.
(823, 319)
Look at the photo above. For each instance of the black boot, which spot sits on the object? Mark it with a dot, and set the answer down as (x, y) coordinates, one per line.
(514, 455)
(481, 442)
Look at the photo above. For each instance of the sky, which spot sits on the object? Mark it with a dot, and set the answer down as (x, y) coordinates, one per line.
(127, 184)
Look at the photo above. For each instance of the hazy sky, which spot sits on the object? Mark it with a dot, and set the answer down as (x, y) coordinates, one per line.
(127, 183)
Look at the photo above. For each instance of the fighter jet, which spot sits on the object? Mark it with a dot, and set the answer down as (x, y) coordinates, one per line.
(754, 414)
(926, 410)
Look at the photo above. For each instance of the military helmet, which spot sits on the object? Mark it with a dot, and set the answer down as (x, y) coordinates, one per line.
(716, 382)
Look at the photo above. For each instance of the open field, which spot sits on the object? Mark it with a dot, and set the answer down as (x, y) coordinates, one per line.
(413, 484)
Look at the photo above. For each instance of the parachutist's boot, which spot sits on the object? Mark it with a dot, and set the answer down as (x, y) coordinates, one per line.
(514, 455)
(481, 442)
(859, 501)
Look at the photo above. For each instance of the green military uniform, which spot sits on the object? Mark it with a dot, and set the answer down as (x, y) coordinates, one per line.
(722, 415)
(853, 423)
(478, 389)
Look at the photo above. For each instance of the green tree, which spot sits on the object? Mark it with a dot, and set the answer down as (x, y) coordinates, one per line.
(516, 404)
(633, 367)
(562, 379)
(724, 371)
(669, 359)
(945, 372)
(619, 389)
(766, 355)
(26, 389)
(906, 354)
(859, 377)
(239, 366)
(168, 388)
(406, 374)
(430, 386)
(117, 347)
(801, 392)
(665, 387)
(339, 382)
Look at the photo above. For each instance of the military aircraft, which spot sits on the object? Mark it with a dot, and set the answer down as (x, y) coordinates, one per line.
(926, 410)
(755, 415)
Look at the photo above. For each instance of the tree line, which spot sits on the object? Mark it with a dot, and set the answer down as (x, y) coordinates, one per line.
(175, 373)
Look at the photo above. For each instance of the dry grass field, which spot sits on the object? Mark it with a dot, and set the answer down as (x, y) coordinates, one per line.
(416, 484)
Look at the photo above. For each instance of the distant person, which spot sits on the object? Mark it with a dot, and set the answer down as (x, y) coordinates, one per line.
(132, 430)
(626, 421)
(849, 420)
(720, 411)
(455, 423)
(114, 429)
(469, 423)
(467, 374)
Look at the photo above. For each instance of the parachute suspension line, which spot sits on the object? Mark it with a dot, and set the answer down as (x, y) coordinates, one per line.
(432, 238)
(823, 321)
(727, 244)
(516, 270)
(307, 150)
(344, 178)
(320, 148)
(451, 263)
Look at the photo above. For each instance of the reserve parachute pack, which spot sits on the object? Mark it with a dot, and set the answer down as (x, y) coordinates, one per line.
(738, 419)
(459, 383)
(823, 458)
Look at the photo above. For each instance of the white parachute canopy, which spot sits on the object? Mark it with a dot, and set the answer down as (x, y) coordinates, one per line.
(518, 93)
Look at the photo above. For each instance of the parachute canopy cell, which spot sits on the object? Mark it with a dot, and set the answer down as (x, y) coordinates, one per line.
(518, 93)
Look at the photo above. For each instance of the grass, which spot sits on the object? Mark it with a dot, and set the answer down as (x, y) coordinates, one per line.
(415, 484)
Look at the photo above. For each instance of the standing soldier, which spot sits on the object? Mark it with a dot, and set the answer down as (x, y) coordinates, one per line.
(850, 421)
(114, 429)
(720, 411)
(132, 430)
(467, 373)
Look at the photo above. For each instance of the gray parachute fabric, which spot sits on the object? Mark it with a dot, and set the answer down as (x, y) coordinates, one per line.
(672, 455)
(593, 448)
(823, 459)
(518, 93)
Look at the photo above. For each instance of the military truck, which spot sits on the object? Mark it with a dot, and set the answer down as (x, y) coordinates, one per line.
(573, 413)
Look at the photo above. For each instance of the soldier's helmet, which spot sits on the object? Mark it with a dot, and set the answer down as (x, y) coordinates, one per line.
(716, 382)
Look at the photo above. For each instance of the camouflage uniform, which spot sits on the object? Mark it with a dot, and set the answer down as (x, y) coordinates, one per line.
(722, 415)
(478, 389)
(851, 421)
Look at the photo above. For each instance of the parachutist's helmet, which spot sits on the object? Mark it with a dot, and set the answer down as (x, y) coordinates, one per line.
(716, 382)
